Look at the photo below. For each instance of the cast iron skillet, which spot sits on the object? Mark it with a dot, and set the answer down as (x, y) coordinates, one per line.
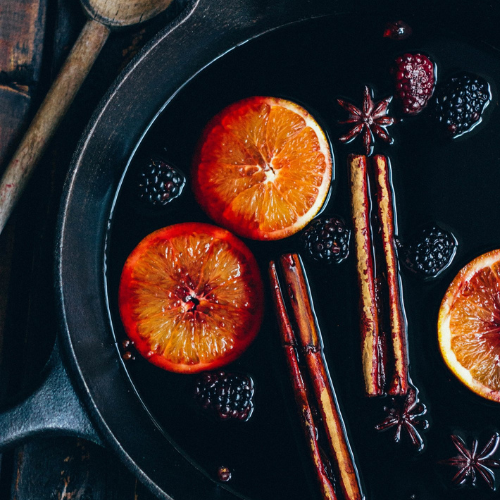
(204, 31)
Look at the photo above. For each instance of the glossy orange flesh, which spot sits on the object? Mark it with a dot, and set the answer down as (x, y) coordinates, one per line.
(191, 297)
(263, 168)
(475, 326)
(469, 325)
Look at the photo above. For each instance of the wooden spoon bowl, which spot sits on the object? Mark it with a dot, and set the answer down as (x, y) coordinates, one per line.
(118, 13)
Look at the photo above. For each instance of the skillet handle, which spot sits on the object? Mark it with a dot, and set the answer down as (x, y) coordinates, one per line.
(52, 409)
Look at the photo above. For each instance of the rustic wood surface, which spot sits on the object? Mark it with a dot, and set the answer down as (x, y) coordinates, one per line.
(50, 113)
(104, 13)
(35, 38)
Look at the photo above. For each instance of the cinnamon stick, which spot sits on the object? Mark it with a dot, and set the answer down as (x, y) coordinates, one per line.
(371, 345)
(399, 383)
(289, 344)
(310, 340)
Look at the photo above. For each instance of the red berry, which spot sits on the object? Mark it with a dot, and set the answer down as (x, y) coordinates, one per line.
(415, 81)
(397, 30)
(224, 474)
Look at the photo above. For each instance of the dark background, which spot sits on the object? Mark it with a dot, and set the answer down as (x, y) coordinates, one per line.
(35, 37)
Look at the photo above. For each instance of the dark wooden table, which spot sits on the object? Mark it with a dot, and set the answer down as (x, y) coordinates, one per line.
(35, 37)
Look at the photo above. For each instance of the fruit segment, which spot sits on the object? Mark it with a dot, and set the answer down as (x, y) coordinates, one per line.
(262, 168)
(191, 297)
(371, 349)
(399, 382)
(469, 325)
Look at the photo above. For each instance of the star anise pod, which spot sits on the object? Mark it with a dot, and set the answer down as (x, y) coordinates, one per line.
(471, 463)
(405, 414)
(371, 120)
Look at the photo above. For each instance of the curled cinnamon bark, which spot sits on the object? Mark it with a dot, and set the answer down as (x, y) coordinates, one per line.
(371, 346)
(399, 383)
(310, 341)
(289, 344)
(378, 280)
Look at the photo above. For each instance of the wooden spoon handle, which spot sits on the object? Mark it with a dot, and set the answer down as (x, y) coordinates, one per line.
(50, 114)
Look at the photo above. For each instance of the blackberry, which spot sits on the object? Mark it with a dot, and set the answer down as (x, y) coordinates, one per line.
(429, 251)
(159, 183)
(460, 102)
(327, 240)
(228, 395)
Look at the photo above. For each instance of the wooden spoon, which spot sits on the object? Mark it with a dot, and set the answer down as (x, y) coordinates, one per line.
(103, 15)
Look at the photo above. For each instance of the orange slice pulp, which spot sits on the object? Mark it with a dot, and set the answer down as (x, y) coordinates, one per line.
(191, 297)
(469, 325)
(263, 168)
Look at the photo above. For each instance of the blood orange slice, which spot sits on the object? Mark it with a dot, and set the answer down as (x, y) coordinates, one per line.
(469, 325)
(263, 168)
(191, 297)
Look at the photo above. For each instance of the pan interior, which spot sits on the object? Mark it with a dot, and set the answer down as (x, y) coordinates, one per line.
(313, 64)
